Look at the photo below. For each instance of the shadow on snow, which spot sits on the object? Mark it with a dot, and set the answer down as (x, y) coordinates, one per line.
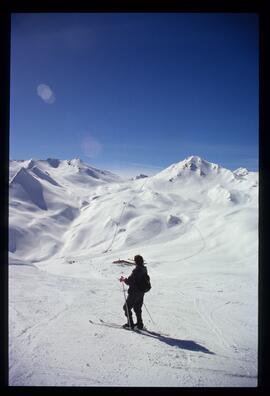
(175, 342)
(183, 344)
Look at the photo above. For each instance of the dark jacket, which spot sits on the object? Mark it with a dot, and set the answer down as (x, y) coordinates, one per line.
(134, 279)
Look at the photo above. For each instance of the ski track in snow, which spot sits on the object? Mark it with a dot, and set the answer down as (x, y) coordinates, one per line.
(208, 319)
(203, 298)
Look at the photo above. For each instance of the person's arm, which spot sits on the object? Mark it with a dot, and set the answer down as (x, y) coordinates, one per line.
(128, 280)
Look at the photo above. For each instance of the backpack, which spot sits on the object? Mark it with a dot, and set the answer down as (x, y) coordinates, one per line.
(144, 283)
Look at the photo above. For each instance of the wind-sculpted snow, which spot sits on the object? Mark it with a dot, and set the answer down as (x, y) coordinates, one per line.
(196, 225)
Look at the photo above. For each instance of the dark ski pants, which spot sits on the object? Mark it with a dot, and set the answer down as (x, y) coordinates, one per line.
(135, 301)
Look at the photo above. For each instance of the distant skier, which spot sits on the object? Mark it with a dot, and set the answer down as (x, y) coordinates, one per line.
(139, 283)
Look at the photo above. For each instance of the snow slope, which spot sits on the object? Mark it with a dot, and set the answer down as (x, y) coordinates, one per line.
(196, 225)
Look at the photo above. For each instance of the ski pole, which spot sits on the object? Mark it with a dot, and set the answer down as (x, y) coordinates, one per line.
(126, 305)
(148, 313)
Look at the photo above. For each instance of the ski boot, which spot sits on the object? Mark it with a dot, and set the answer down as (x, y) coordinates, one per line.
(139, 325)
(128, 327)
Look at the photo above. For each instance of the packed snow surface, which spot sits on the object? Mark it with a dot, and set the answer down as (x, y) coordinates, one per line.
(196, 225)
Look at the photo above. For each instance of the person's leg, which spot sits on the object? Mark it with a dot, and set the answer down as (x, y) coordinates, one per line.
(138, 310)
(127, 309)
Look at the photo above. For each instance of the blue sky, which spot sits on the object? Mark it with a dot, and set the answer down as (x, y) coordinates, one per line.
(135, 92)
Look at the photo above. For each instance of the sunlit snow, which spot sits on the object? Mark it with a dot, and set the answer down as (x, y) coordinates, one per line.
(196, 225)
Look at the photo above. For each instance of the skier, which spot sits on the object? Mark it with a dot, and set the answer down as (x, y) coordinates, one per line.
(135, 293)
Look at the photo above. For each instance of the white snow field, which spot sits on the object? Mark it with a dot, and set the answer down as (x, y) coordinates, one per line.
(196, 225)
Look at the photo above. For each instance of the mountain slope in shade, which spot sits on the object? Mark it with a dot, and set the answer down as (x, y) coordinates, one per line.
(28, 188)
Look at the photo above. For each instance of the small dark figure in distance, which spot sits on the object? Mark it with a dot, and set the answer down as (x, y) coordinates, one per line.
(139, 283)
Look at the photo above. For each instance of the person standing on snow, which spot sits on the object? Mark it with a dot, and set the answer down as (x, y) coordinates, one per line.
(135, 294)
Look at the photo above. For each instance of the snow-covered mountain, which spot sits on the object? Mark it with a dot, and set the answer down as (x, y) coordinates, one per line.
(68, 206)
(197, 170)
(45, 197)
(195, 223)
(66, 171)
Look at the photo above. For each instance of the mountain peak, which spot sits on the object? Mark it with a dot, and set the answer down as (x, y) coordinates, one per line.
(192, 166)
(194, 159)
(197, 164)
(75, 161)
(193, 162)
(241, 172)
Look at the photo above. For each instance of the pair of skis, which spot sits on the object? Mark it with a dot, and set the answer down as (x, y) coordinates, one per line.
(117, 326)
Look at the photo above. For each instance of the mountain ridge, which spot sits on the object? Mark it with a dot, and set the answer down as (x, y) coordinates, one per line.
(73, 207)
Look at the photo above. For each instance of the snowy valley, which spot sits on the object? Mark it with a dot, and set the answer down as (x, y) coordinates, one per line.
(196, 225)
